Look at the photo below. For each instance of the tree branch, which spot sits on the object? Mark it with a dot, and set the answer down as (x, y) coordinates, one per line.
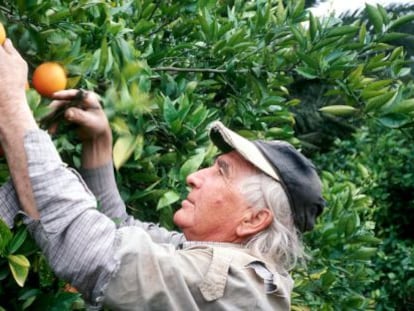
(208, 70)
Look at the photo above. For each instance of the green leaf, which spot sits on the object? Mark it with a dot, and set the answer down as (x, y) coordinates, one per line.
(4, 272)
(167, 199)
(103, 57)
(365, 238)
(356, 73)
(120, 126)
(272, 100)
(396, 53)
(124, 147)
(300, 38)
(342, 30)
(299, 7)
(191, 165)
(392, 36)
(170, 113)
(143, 26)
(60, 301)
(354, 302)
(19, 266)
(26, 294)
(376, 85)
(404, 106)
(325, 43)
(307, 72)
(352, 223)
(313, 26)
(236, 37)
(309, 60)
(139, 146)
(367, 94)
(375, 17)
(364, 253)
(281, 13)
(362, 33)
(190, 87)
(363, 170)
(401, 21)
(5, 236)
(395, 120)
(204, 20)
(219, 46)
(328, 279)
(339, 110)
(377, 102)
(18, 240)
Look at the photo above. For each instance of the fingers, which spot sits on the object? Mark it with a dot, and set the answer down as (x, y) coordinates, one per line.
(65, 94)
(91, 123)
(85, 104)
(77, 116)
(78, 107)
(56, 104)
(92, 100)
(87, 99)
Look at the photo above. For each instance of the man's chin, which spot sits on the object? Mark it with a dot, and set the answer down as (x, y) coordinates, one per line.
(177, 218)
(182, 219)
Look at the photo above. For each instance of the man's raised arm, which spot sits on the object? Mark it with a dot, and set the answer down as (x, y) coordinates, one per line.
(15, 120)
(61, 214)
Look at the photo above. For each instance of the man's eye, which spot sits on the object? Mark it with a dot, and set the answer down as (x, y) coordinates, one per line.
(222, 167)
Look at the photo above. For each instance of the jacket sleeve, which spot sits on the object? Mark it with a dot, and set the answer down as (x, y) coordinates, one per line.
(103, 185)
(9, 204)
(77, 240)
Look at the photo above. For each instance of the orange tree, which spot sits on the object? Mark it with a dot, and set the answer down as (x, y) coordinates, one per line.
(166, 69)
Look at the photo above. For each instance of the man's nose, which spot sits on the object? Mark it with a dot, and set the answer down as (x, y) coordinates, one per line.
(194, 180)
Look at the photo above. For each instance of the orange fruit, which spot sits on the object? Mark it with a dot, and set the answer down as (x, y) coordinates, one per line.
(2, 34)
(48, 78)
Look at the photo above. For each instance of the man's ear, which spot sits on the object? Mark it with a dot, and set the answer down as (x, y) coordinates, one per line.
(254, 221)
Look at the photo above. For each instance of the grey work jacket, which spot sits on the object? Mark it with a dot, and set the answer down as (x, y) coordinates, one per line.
(200, 276)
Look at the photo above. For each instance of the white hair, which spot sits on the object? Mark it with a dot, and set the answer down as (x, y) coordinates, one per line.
(280, 240)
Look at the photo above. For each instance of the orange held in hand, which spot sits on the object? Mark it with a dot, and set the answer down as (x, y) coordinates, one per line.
(48, 78)
(2, 34)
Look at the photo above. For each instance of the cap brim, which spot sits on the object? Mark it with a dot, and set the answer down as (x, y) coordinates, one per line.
(226, 140)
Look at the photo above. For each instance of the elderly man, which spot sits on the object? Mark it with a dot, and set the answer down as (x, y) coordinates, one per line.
(240, 222)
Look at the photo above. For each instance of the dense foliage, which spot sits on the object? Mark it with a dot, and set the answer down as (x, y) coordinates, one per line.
(387, 158)
(268, 69)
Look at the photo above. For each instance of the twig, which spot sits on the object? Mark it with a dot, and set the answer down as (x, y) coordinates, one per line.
(208, 70)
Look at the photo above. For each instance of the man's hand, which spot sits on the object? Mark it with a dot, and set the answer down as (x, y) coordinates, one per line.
(83, 109)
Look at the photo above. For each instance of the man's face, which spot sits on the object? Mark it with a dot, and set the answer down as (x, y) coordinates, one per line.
(215, 207)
